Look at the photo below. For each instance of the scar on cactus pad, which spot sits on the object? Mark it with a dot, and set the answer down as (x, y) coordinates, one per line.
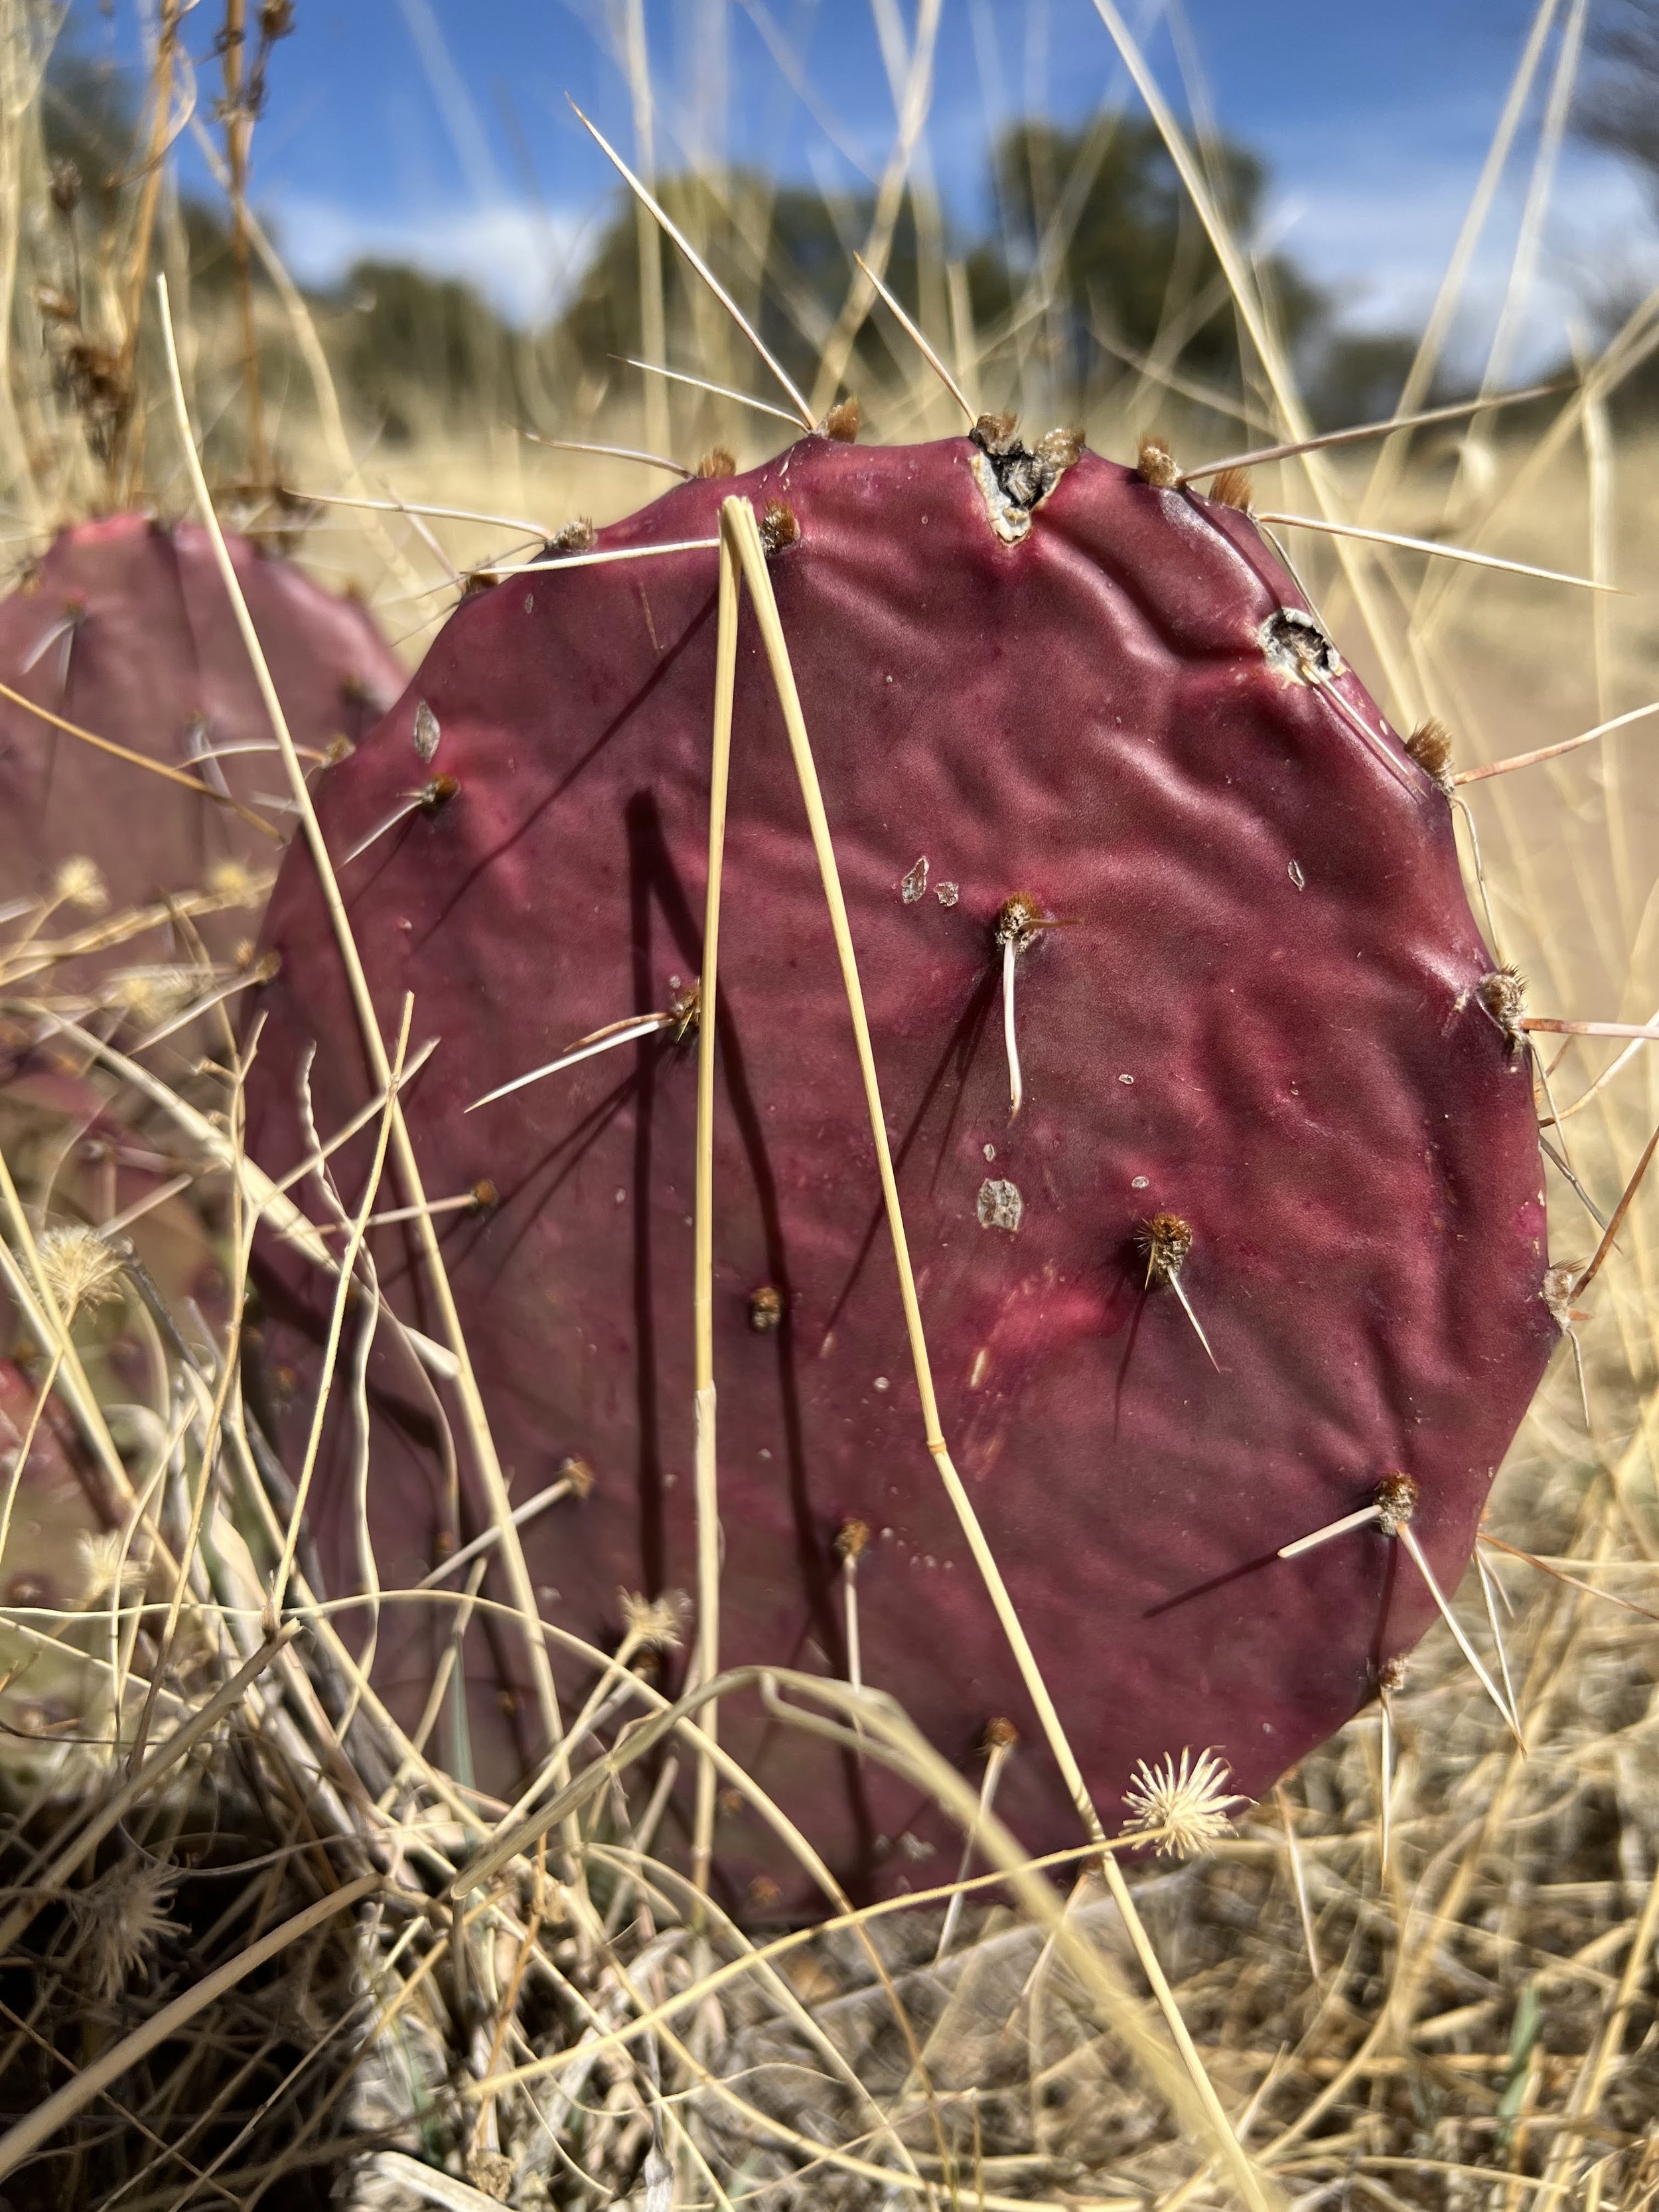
(1267, 1015)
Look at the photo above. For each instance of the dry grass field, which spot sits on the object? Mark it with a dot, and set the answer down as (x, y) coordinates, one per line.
(230, 1971)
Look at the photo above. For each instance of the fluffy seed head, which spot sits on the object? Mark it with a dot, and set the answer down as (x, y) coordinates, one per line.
(79, 883)
(122, 1916)
(1166, 1240)
(81, 1268)
(654, 1624)
(108, 1566)
(148, 995)
(1396, 1501)
(1185, 1806)
(236, 884)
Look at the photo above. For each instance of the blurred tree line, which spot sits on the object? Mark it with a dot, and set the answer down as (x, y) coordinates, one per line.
(1093, 276)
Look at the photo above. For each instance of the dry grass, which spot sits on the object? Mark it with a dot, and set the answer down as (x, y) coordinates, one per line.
(232, 1951)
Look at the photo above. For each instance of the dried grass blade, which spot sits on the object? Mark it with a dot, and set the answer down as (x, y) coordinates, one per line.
(914, 331)
(476, 1421)
(803, 413)
(138, 760)
(1358, 431)
(1433, 545)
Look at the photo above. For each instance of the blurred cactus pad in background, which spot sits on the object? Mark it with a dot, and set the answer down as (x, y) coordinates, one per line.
(827, 987)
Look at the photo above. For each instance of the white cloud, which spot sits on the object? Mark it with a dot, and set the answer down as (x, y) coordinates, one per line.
(522, 258)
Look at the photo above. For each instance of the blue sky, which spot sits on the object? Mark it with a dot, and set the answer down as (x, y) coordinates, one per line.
(438, 129)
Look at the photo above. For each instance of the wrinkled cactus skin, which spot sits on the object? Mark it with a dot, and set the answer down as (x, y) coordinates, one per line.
(1262, 1015)
(152, 650)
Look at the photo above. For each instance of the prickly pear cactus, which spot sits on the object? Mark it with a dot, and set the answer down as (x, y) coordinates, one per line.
(122, 626)
(1266, 1233)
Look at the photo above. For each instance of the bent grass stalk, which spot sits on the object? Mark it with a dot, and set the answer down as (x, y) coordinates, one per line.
(706, 1462)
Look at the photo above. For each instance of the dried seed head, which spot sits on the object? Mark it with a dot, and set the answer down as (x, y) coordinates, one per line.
(844, 420)
(81, 1268)
(79, 883)
(1019, 921)
(1431, 746)
(1396, 1501)
(151, 994)
(1166, 1240)
(1155, 464)
(851, 1538)
(108, 1566)
(576, 535)
(579, 1474)
(1185, 1806)
(765, 1309)
(122, 1916)
(1503, 995)
(779, 526)
(1232, 488)
(654, 1624)
(235, 882)
(1000, 1734)
(492, 2173)
(718, 461)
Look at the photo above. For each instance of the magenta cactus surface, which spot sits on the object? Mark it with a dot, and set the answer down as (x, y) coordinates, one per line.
(124, 628)
(1267, 1231)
